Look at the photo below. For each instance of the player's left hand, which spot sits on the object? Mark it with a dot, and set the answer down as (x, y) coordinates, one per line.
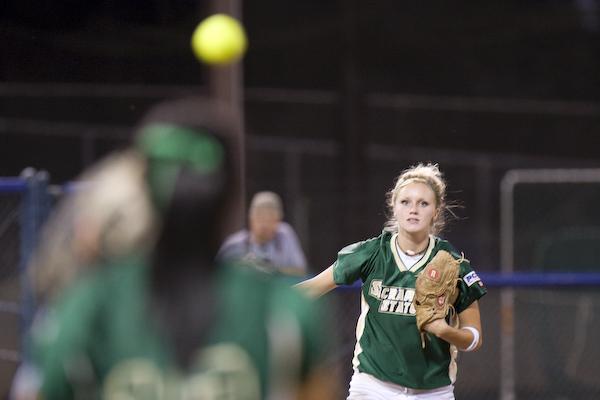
(436, 327)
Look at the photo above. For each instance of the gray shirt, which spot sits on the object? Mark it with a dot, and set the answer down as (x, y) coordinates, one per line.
(282, 252)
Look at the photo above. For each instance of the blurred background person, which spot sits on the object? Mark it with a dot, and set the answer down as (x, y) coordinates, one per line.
(162, 321)
(269, 242)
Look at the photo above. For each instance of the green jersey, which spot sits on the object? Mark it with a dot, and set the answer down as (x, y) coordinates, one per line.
(388, 342)
(101, 339)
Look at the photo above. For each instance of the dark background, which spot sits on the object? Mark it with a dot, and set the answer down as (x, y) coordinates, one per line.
(339, 97)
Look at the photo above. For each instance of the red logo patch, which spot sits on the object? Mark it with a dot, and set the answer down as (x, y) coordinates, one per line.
(441, 300)
(434, 274)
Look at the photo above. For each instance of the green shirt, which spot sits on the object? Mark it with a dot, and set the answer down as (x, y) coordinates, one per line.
(388, 341)
(101, 338)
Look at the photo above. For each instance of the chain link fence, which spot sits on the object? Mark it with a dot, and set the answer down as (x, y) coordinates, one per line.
(24, 205)
(10, 243)
(556, 346)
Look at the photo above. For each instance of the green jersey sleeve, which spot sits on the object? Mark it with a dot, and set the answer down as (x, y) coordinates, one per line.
(313, 318)
(60, 338)
(470, 286)
(353, 262)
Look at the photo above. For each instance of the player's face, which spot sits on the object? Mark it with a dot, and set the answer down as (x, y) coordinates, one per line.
(263, 224)
(415, 208)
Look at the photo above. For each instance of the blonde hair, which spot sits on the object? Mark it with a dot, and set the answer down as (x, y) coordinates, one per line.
(430, 175)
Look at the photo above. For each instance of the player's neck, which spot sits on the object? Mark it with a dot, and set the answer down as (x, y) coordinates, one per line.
(412, 244)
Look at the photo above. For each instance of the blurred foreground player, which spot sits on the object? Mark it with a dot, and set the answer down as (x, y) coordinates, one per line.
(166, 322)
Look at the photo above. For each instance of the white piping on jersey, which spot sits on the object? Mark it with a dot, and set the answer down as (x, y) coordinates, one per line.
(420, 263)
(453, 367)
(360, 329)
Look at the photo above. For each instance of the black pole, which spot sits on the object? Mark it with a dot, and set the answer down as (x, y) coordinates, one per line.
(226, 85)
(352, 132)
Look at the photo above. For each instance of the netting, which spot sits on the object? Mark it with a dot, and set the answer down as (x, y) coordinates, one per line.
(550, 224)
(554, 222)
(10, 203)
(9, 235)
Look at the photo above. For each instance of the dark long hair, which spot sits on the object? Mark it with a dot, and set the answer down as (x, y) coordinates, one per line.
(190, 178)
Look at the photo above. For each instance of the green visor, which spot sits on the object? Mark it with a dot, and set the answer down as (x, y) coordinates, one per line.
(170, 148)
